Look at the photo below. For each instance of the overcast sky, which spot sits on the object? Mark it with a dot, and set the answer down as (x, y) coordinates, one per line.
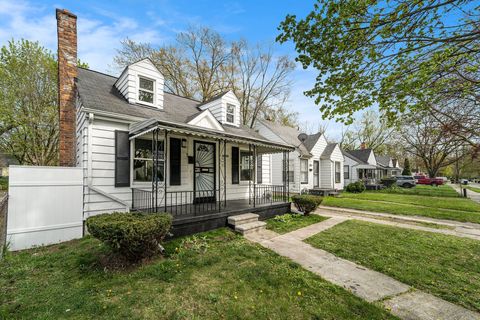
(102, 24)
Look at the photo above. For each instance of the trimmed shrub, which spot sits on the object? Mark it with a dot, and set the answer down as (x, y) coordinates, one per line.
(133, 235)
(388, 182)
(306, 203)
(355, 187)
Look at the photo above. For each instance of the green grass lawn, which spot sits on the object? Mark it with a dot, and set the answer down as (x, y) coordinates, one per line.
(460, 204)
(423, 190)
(474, 189)
(282, 226)
(3, 183)
(459, 209)
(445, 266)
(215, 275)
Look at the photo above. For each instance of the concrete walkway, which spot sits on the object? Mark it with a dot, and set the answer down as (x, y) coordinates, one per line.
(402, 300)
(459, 229)
(475, 196)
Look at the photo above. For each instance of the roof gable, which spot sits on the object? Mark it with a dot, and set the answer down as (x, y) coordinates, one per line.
(289, 135)
(206, 120)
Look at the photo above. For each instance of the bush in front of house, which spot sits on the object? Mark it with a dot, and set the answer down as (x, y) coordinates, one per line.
(355, 187)
(306, 203)
(388, 182)
(133, 235)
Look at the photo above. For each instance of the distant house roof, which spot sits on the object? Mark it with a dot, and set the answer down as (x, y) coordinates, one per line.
(360, 154)
(384, 161)
(288, 135)
(328, 151)
(98, 92)
(312, 140)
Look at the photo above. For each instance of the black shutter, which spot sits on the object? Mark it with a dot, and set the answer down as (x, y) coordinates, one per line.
(259, 169)
(122, 159)
(175, 161)
(235, 165)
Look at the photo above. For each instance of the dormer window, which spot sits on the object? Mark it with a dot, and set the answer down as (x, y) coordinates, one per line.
(146, 91)
(230, 113)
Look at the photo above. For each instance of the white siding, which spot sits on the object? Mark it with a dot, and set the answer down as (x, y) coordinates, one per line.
(326, 173)
(337, 156)
(128, 82)
(352, 169)
(218, 107)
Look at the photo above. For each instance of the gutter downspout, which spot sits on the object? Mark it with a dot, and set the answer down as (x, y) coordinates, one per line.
(90, 169)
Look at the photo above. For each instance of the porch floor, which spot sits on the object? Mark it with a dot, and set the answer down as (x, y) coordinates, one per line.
(231, 207)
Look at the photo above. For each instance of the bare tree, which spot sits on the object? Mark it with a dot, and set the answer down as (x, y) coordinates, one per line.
(427, 140)
(202, 64)
(263, 80)
(372, 130)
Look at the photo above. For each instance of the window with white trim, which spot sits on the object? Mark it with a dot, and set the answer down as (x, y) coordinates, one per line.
(346, 171)
(146, 90)
(303, 171)
(338, 174)
(230, 113)
(246, 161)
(143, 160)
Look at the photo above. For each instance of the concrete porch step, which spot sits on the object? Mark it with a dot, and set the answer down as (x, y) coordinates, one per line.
(251, 227)
(242, 219)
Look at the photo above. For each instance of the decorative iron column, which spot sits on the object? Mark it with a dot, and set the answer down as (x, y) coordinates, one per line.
(250, 174)
(288, 176)
(254, 175)
(225, 172)
(165, 166)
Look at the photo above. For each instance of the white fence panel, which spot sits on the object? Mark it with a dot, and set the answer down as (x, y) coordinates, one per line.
(45, 206)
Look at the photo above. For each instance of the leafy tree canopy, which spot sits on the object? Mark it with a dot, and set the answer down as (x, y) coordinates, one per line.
(400, 55)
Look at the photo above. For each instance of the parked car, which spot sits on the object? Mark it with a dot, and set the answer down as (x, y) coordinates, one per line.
(464, 181)
(428, 181)
(406, 181)
(445, 179)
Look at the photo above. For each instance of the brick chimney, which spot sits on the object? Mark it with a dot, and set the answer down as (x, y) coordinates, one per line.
(67, 72)
(363, 146)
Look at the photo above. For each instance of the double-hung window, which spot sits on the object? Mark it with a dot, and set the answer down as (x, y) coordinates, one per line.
(246, 163)
(143, 160)
(303, 171)
(346, 172)
(230, 113)
(146, 90)
(338, 173)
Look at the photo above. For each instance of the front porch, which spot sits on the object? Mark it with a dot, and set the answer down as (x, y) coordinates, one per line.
(201, 178)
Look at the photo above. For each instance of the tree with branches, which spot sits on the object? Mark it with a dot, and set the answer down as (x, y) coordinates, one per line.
(201, 64)
(402, 56)
(28, 103)
(427, 140)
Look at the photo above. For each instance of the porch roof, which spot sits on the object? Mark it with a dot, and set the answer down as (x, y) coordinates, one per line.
(367, 166)
(143, 127)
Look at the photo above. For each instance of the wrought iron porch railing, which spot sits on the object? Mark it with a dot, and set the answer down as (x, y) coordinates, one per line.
(185, 203)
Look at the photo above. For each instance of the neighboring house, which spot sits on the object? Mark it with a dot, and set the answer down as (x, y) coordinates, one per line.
(314, 163)
(364, 164)
(147, 149)
(5, 161)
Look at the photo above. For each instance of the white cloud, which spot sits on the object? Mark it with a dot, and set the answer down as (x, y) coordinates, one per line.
(97, 39)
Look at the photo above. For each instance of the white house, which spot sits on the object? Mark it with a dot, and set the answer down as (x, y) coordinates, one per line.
(142, 148)
(314, 164)
(364, 164)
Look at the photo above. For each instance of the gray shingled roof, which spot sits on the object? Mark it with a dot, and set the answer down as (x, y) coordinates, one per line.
(289, 135)
(383, 160)
(327, 152)
(361, 154)
(97, 92)
(312, 140)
